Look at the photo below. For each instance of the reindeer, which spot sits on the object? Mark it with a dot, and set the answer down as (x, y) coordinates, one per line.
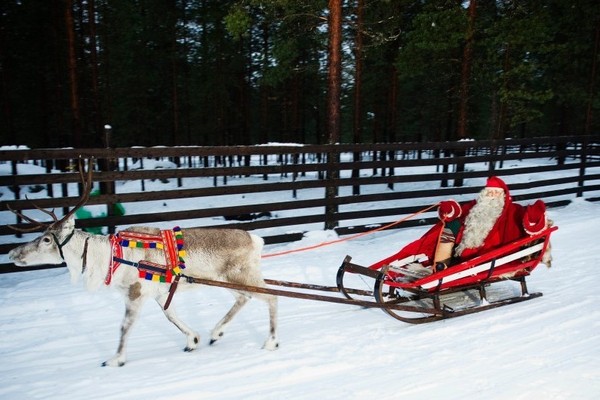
(229, 255)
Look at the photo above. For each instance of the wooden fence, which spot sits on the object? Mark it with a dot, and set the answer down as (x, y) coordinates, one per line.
(377, 183)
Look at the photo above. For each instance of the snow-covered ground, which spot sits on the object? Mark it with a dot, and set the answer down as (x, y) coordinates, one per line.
(55, 335)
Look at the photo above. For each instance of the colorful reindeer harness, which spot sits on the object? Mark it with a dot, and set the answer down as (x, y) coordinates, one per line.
(169, 241)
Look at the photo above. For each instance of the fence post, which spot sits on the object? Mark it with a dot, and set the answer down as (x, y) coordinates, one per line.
(17, 191)
(49, 186)
(582, 167)
(356, 159)
(108, 164)
(391, 169)
(265, 162)
(141, 169)
(178, 164)
(444, 154)
(295, 159)
(460, 154)
(492, 157)
(331, 190)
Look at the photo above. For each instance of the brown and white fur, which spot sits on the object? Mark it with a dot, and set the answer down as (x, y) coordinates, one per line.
(217, 254)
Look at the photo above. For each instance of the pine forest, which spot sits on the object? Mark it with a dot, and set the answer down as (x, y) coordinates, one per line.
(244, 72)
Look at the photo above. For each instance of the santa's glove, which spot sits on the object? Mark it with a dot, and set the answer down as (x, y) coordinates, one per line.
(534, 219)
(449, 210)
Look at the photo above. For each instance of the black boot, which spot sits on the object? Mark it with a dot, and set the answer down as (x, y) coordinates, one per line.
(440, 266)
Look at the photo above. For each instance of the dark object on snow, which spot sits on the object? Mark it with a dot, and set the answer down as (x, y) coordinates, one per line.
(248, 217)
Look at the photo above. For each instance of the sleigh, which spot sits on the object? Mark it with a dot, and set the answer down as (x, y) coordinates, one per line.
(406, 289)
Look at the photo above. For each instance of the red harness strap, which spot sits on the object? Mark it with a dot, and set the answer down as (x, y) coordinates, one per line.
(170, 251)
(116, 251)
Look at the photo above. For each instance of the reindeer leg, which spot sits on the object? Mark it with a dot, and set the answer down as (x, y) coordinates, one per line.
(272, 342)
(132, 311)
(192, 337)
(240, 300)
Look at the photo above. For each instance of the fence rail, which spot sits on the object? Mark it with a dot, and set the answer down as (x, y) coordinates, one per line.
(377, 183)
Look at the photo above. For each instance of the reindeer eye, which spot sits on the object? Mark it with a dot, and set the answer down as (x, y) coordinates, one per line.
(46, 240)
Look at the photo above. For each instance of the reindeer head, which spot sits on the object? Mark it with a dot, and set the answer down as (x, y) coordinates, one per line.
(48, 248)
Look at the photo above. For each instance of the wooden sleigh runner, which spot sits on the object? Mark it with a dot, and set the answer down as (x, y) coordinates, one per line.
(419, 296)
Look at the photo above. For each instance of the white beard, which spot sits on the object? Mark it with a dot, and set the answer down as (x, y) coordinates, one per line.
(480, 221)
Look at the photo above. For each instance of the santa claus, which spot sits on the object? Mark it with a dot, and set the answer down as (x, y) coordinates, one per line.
(474, 228)
(488, 222)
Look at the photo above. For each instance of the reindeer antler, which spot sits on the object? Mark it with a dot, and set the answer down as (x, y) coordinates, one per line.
(87, 182)
(87, 188)
(37, 224)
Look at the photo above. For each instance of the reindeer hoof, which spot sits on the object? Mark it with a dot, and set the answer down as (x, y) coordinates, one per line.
(108, 364)
(271, 344)
(114, 362)
(192, 343)
(216, 337)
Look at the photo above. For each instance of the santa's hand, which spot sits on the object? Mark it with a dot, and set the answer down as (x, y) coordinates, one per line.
(449, 210)
(534, 219)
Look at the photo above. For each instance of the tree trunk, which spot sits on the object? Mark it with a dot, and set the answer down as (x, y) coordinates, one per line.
(264, 93)
(105, 67)
(335, 71)
(175, 98)
(72, 68)
(295, 108)
(172, 21)
(358, 56)
(391, 117)
(6, 133)
(464, 87)
(589, 114)
(500, 125)
(466, 73)
(96, 104)
(333, 107)
(392, 109)
(185, 76)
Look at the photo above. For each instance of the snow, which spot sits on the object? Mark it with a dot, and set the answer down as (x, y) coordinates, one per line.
(55, 335)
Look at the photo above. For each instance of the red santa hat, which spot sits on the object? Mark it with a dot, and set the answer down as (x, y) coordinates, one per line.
(534, 220)
(495, 182)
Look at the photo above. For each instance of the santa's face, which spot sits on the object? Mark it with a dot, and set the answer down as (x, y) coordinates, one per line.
(493, 192)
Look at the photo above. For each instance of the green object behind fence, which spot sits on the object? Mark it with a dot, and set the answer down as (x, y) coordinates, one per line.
(84, 213)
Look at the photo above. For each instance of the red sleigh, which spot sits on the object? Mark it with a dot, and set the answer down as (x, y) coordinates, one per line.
(417, 295)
